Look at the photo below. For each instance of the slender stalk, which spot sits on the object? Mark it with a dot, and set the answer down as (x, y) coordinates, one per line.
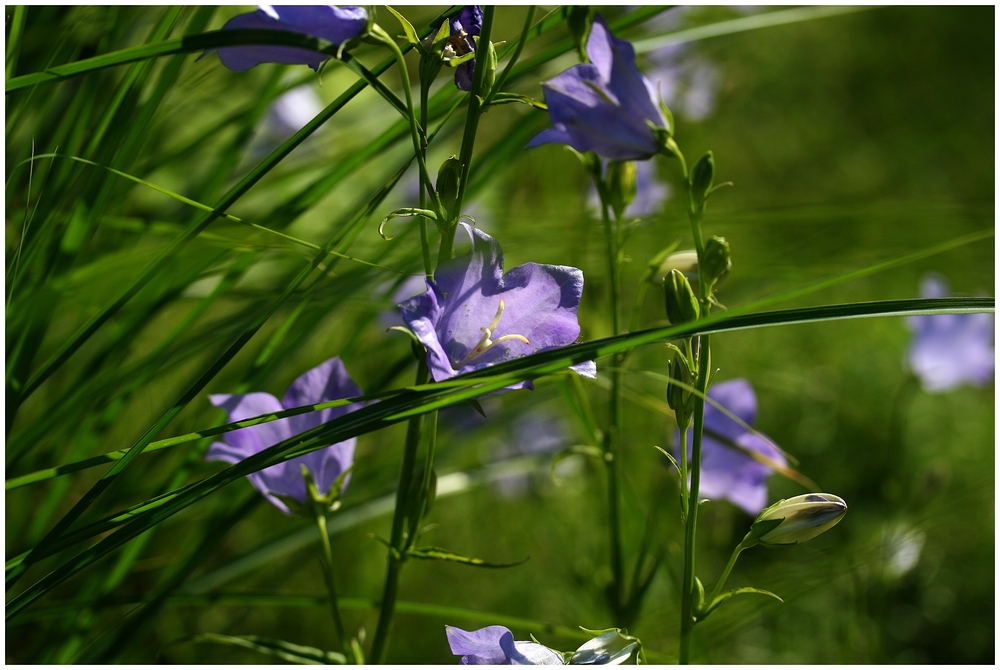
(612, 236)
(324, 537)
(469, 137)
(425, 247)
(684, 471)
(398, 538)
(725, 574)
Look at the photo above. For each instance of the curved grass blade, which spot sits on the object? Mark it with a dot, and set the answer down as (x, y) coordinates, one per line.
(286, 651)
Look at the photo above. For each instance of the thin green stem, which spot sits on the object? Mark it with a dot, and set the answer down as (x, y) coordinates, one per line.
(425, 484)
(725, 574)
(684, 471)
(398, 538)
(425, 246)
(469, 136)
(324, 537)
(415, 131)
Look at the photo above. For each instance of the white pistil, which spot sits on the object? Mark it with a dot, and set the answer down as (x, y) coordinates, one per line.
(485, 343)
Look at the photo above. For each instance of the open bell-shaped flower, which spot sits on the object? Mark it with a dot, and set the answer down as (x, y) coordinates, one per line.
(605, 106)
(474, 316)
(329, 22)
(284, 483)
(495, 645)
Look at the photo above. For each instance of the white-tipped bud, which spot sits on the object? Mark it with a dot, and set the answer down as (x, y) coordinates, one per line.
(797, 519)
(683, 261)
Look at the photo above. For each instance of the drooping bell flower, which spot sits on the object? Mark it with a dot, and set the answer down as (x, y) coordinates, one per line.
(285, 483)
(329, 22)
(949, 350)
(495, 645)
(473, 315)
(727, 472)
(605, 106)
(464, 26)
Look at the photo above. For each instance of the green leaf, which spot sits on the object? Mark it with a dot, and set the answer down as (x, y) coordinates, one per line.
(286, 651)
(438, 554)
(669, 457)
(735, 592)
(503, 98)
(411, 34)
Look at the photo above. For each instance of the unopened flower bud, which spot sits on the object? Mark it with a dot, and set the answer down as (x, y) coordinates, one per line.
(702, 177)
(621, 185)
(490, 73)
(717, 261)
(797, 519)
(681, 303)
(449, 174)
(679, 398)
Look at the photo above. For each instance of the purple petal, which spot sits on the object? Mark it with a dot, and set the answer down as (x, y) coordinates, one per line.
(463, 75)
(738, 397)
(253, 439)
(549, 136)
(334, 24)
(478, 647)
(540, 304)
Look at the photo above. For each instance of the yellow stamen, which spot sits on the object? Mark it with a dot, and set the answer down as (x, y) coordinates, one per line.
(485, 343)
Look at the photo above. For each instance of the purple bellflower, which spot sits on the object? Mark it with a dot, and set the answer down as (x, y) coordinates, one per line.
(464, 26)
(606, 105)
(727, 472)
(473, 315)
(495, 645)
(949, 350)
(328, 381)
(329, 22)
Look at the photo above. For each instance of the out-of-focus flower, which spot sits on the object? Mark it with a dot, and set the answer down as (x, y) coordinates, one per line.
(291, 111)
(727, 472)
(687, 83)
(464, 26)
(799, 519)
(605, 106)
(534, 432)
(328, 381)
(474, 316)
(902, 546)
(949, 350)
(650, 193)
(329, 22)
(495, 645)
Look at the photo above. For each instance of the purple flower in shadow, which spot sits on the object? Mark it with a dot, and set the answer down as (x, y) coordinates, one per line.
(727, 472)
(474, 316)
(495, 645)
(331, 23)
(949, 350)
(328, 381)
(606, 105)
(464, 26)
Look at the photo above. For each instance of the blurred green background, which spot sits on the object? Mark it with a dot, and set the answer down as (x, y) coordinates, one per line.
(850, 139)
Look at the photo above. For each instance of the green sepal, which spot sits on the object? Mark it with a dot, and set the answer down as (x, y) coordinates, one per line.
(506, 98)
(563, 454)
(476, 406)
(621, 186)
(458, 60)
(608, 647)
(439, 554)
(703, 177)
(404, 212)
(761, 528)
(286, 651)
(406, 331)
(410, 32)
(699, 595)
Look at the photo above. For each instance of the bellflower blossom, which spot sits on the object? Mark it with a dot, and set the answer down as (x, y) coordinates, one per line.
(328, 381)
(474, 316)
(464, 26)
(949, 350)
(727, 472)
(495, 645)
(606, 105)
(329, 22)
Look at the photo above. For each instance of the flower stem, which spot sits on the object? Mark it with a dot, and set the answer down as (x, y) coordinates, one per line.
(398, 539)
(725, 574)
(469, 136)
(324, 536)
(704, 368)
(611, 435)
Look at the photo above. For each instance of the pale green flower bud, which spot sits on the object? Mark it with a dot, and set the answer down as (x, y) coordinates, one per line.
(681, 303)
(621, 185)
(717, 261)
(702, 177)
(680, 399)
(797, 519)
(449, 174)
(685, 261)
